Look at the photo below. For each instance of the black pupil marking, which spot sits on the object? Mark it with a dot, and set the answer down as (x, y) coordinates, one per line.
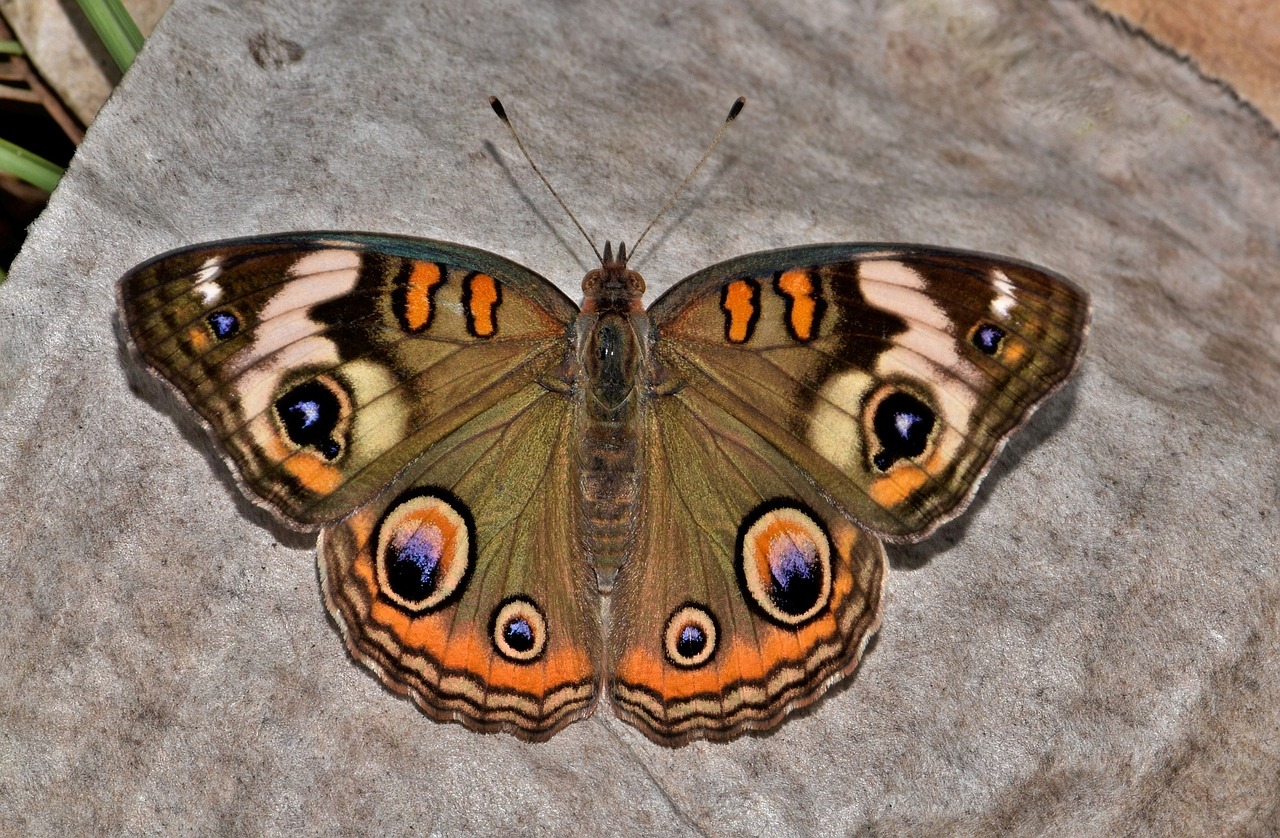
(692, 641)
(310, 413)
(797, 579)
(413, 568)
(988, 337)
(518, 634)
(224, 324)
(902, 425)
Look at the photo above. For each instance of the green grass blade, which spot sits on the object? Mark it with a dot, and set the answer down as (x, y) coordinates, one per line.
(32, 168)
(11, 48)
(117, 30)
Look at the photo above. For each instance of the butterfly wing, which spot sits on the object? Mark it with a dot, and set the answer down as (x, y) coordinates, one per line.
(891, 375)
(748, 594)
(414, 396)
(800, 401)
(464, 587)
(324, 363)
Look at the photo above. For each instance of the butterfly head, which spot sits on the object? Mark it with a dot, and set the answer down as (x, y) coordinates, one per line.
(612, 286)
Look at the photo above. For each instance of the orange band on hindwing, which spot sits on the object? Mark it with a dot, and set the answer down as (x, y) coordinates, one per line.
(481, 297)
(804, 303)
(412, 300)
(741, 303)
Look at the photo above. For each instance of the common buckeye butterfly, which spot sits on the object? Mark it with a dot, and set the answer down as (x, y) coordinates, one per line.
(485, 460)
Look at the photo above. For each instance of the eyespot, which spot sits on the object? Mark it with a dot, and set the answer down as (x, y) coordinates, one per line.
(314, 414)
(987, 337)
(223, 324)
(425, 545)
(518, 630)
(691, 636)
(784, 561)
(901, 426)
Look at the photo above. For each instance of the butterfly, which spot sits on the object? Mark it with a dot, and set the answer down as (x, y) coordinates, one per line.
(524, 504)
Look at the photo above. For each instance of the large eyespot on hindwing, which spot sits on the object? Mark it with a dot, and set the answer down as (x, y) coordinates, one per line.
(518, 630)
(690, 637)
(425, 550)
(899, 427)
(315, 414)
(783, 560)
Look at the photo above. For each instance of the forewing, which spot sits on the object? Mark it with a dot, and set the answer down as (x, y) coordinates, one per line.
(324, 363)
(891, 374)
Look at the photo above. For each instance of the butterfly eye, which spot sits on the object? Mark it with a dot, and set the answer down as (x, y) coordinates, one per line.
(690, 637)
(519, 630)
(784, 562)
(425, 545)
(902, 425)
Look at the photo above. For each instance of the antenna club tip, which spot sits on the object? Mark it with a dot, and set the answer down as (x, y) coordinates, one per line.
(497, 108)
(737, 108)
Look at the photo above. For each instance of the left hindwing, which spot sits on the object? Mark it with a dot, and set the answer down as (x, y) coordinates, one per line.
(464, 586)
(890, 374)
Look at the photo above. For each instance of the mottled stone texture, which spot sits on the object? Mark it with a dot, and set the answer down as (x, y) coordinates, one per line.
(1092, 649)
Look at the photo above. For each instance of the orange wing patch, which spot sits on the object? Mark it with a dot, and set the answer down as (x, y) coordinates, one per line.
(804, 304)
(741, 303)
(414, 306)
(898, 485)
(481, 297)
(743, 660)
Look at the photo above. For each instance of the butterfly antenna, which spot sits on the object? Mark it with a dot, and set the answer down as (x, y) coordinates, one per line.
(733, 114)
(502, 114)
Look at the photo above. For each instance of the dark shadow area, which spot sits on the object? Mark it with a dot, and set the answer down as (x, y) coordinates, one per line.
(166, 399)
(1043, 424)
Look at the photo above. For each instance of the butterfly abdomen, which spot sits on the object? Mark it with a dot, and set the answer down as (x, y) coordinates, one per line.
(610, 355)
(608, 488)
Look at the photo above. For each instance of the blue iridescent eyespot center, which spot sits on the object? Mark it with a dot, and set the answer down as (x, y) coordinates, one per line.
(902, 426)
(987, 337)
(518, 634)
(310, 413)
(224, 324)
(796, 572)
(692, 641)
(413, 562)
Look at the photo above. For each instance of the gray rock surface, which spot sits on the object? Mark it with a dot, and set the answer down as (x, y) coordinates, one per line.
(1092, 649)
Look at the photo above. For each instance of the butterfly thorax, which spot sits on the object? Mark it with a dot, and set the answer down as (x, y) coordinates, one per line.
(612, 331)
